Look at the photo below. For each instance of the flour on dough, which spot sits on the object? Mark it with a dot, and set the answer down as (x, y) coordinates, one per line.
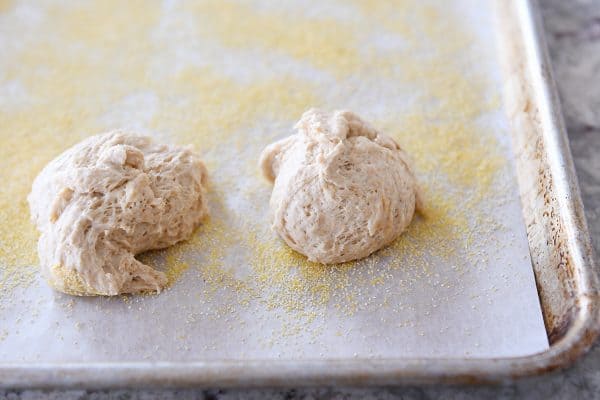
(342, 190)
(107, 199)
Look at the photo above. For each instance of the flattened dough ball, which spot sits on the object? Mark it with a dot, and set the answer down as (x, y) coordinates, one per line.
(342, 190)
(105, 200)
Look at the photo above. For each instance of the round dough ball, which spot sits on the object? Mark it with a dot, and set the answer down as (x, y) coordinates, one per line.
(107, 199)
(341, 189)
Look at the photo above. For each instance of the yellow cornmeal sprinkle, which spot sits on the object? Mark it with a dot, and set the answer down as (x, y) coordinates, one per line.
(69, 280)
(216, 107)
(319, 40)
(5, 5)
(176, 269)
(73, 76)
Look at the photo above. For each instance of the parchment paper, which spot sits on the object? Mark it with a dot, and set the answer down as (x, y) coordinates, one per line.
(467, 292)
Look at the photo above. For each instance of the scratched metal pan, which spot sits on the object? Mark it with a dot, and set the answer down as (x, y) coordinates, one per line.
(559, 244)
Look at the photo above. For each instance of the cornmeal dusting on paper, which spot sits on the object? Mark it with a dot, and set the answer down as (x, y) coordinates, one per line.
(216, 107)
(320, 41)
(82, 77)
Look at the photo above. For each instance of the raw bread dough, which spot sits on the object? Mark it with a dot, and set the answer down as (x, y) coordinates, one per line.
(107, 199)
(342, 190)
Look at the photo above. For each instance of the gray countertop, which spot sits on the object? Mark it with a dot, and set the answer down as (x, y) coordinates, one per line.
(573, 33)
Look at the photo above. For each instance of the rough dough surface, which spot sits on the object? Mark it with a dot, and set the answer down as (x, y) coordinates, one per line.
(107, 199)
(342, 190)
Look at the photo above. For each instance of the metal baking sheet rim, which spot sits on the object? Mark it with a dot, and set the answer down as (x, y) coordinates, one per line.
(580, 324)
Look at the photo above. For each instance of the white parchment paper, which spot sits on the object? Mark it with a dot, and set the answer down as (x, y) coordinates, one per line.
(478, 300)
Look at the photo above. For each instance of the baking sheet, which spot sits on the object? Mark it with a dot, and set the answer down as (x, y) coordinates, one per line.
(229, 78)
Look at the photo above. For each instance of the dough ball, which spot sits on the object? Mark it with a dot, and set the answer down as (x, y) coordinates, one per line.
(107, 199)
(342, 190)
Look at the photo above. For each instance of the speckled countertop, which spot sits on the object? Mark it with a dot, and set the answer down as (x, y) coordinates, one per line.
(573, 33)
